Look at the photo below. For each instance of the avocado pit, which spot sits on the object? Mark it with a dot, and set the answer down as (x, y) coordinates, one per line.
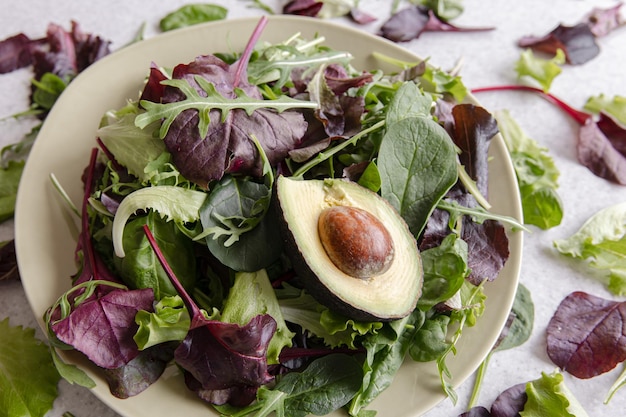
(355, 241)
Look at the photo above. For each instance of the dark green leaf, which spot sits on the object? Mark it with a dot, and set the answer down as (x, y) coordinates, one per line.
(9, 182)
(430, 341)
(417, 164)
(521, 320)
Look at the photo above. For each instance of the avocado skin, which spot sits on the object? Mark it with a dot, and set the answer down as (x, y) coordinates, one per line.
(311, 282)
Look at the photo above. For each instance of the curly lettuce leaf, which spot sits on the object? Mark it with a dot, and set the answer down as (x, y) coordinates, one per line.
(549, 396)
(601, 241)
(168, 322)
(544, 71)
(615, 106)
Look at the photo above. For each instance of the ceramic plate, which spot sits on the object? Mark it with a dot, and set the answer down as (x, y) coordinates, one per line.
(46, 233)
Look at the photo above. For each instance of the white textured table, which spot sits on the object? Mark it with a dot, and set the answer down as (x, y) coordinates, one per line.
(488, 59)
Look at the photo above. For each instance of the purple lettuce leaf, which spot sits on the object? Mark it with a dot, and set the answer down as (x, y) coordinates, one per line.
(15, 53)
(602, 148)
(478, 411)
(225, 362)
(510, 402)
(361, 17)
(586, 336)
(103, 327)
(145, 369)
(8, 262)
(577, 42)
(603, 21)
(409, 23)
(309, 8)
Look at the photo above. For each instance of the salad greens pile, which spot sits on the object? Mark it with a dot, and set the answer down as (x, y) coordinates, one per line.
(180, 257)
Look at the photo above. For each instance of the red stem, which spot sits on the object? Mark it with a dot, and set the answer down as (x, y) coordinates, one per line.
(242, 64)
(577, 115)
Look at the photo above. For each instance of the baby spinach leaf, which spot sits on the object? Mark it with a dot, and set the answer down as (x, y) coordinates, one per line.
(536, 173)
(430, 341)
(326, 385)
(192, 14)
(28, 378)
(601, 241)
(237, 227)
(445, 269)
(596, 344)
(417, 164)
(407, 102)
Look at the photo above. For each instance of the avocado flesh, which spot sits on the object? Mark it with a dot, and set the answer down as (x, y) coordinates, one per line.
(390, 295)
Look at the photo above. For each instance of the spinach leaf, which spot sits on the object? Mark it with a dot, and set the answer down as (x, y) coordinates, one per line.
(445, 269)
(430, 341)
(386, 351)
(601, 240)
(417, 164)
(192, 14)
(140, 268)
(536, 173)
(239, 233)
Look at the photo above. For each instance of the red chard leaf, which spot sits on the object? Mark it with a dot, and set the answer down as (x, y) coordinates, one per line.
(577, 42)
(585, 337)
(361, 17)
(103, 328)
(15, 53)
(309, 8)
(410, 23)
(601, 148)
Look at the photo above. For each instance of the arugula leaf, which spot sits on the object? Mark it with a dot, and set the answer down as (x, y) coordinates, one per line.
(28, 378)
(417, 164)
(536, 173)
(601, 240)
(192, 14)
(544, 71)
(549, 396)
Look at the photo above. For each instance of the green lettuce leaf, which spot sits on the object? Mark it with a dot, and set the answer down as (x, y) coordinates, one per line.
(252, 295)
(602, 241)
(544, 71)
(537, 175)
(615, 106)
(28, 378)
(169, 322)
(549, 396)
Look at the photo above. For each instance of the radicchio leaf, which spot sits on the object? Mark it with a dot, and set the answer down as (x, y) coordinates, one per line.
(586, 336)
(577, 42)
(410, 23)
(224, 362)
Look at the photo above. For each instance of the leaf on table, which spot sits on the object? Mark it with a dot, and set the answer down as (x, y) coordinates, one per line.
(585, 337)
(604, 21)
(28, 378)
(549, 396)
(614, 106)
(8, 261)
(602, 148)
(577, 42)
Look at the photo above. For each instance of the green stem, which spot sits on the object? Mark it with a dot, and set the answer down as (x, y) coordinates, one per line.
(480, 376)
(323, 156)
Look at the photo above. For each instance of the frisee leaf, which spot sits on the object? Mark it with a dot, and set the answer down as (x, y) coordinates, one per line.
(168, 112)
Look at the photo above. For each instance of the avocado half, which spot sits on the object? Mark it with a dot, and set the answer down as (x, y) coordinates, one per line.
(388, 295)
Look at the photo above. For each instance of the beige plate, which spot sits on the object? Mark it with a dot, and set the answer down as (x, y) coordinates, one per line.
(46, 233)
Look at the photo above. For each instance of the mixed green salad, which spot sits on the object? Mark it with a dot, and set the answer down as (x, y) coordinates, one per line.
(182, 252)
